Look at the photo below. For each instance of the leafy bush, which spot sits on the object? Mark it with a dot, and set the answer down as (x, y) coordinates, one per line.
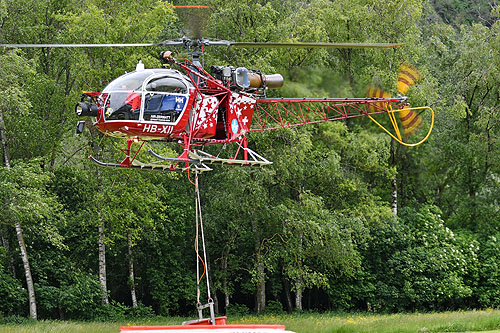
(116, 311)
(273, 307)
(113, 311)
(237, 310)
(488, 292)
(418, 263)
(141, 311)
(12, 295)
(16, 319)
(78, 298)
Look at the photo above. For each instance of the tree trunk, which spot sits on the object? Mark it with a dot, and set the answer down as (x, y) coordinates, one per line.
(226, 298)
(131, 272)
(394, 182)
(102, 261)
(394, 204)
(288, 296)
(260, 288)
(225, 274)
(4, 142)
(216, 301)
(260, 299)
(19, 231)
(27, 270)
(298, 294)
(213, 291)
(61, 313)
(101, 239)
(225, 288)
(300, 281)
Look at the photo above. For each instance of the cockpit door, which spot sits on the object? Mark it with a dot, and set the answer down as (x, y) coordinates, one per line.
(164, 99)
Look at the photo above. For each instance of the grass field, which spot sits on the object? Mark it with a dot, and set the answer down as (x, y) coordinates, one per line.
(463, 321)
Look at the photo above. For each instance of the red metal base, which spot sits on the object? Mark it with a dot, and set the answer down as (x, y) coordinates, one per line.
(206, 329)
(202, 326)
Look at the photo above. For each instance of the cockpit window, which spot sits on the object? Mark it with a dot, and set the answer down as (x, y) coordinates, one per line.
(167, 84)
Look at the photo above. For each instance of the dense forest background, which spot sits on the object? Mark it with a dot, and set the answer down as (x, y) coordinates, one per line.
(320, 229)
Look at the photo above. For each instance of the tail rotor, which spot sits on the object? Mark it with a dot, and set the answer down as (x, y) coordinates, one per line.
(409, 118)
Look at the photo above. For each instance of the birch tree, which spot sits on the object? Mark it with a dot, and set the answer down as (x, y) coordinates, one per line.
(15, 98)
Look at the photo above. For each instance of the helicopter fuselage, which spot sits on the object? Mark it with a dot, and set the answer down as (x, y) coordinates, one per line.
(165, 104)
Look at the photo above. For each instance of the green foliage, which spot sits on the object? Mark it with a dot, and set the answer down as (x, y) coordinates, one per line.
(313, 243)
(462, 164)
(106, 22)
(419, 263)
(77, 297)
(273, 307)
(116, 311)
(456, 12)
(26, 199)
(489, 272)
(111, 312)
(3, 10)
(141, 311)
(13, 296)
(21, 124)
(237, 310)
(16, 320)
(166, 251)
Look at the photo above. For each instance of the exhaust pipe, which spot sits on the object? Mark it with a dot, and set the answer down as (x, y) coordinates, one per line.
(272, 81)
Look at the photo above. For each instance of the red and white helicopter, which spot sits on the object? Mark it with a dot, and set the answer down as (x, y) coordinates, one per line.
(194, 108)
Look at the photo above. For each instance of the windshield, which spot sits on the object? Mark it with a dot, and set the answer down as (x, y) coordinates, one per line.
(122, 106)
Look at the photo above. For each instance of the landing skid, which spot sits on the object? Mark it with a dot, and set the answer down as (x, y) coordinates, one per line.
(199, 157)
(200, 167)
(190, 159)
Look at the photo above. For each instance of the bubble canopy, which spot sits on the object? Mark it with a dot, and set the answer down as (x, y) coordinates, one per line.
(129, 81)
(158, 95)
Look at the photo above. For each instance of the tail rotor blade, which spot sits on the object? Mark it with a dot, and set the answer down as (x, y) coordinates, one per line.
(408, 76)
(411, 122)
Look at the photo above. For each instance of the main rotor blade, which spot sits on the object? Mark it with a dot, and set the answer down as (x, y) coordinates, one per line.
(316, 45)
(218, 42)
(79, 45)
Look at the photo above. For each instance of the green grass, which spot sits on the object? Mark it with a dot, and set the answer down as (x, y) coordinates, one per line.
(416, 322)
(462, 321)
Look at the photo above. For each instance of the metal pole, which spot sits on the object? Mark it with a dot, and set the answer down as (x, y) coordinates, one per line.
(198, 304)
(200, 219)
